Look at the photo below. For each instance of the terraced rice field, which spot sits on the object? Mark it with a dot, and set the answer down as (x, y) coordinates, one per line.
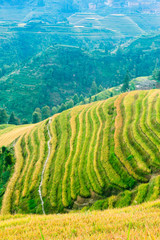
(11, 133)
(104, 154)
(117, 24)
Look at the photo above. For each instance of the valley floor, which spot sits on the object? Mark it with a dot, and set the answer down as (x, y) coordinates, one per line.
(136, 222)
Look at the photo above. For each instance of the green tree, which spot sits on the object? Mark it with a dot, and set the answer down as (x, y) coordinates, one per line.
(13, 119)
(46, 112)
(8, 159)
(75, 99)
(81, 98)
(69, 104)
(62, 107)
(85, 101)
(54, 110)
(36, 117)
(119, 52)
(25, 121)
(132, 87)
(38, 110)
(100, 88)
(58, 108)
(156, 74)
(3, 116)
(94, 89)
(95, 99)
(125, 85)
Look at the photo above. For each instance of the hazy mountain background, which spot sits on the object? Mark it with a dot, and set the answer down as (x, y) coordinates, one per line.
(52, 50)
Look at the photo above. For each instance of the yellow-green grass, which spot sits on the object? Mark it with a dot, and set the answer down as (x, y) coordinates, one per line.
(143, 193)
(82, 170)
(135, 134)
(147, 114)
(92, 170)
(140, 136)
(128, 100)
(120, 148)
(149, 138)
(4, 128)
(105, 150)
(157, 107)
(66, 183)
(151, 120)
(53, 145)
(8, 135)
(98, 167)
(138, 166)
(76, 158)
(56, 187)
(137, 222)
(6, 205)
(32, 161)
(41, 157)
(26, 157)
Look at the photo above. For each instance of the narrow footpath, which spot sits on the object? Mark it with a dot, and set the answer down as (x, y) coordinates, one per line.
(44, 167)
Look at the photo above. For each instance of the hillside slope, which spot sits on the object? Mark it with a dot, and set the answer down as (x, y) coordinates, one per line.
(138, 222)
(48, 79)
(118, 23)
(96, 151)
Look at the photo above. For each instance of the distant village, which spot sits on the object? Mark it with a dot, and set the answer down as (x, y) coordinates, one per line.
(145, 6)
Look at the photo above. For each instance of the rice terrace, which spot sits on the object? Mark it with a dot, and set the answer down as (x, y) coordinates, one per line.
(102, 155)
(80, 120)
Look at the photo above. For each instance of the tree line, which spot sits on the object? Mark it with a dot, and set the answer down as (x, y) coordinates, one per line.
(45, 112)
(41, 114)
(8, 119)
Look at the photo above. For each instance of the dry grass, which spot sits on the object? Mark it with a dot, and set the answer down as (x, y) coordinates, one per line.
(134, 223)
(13, 133)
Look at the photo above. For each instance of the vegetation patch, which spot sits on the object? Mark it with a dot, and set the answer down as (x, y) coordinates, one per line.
(7, 161)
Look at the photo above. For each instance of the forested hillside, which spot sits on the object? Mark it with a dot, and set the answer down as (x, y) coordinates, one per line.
(49, 79)
(52, 50)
